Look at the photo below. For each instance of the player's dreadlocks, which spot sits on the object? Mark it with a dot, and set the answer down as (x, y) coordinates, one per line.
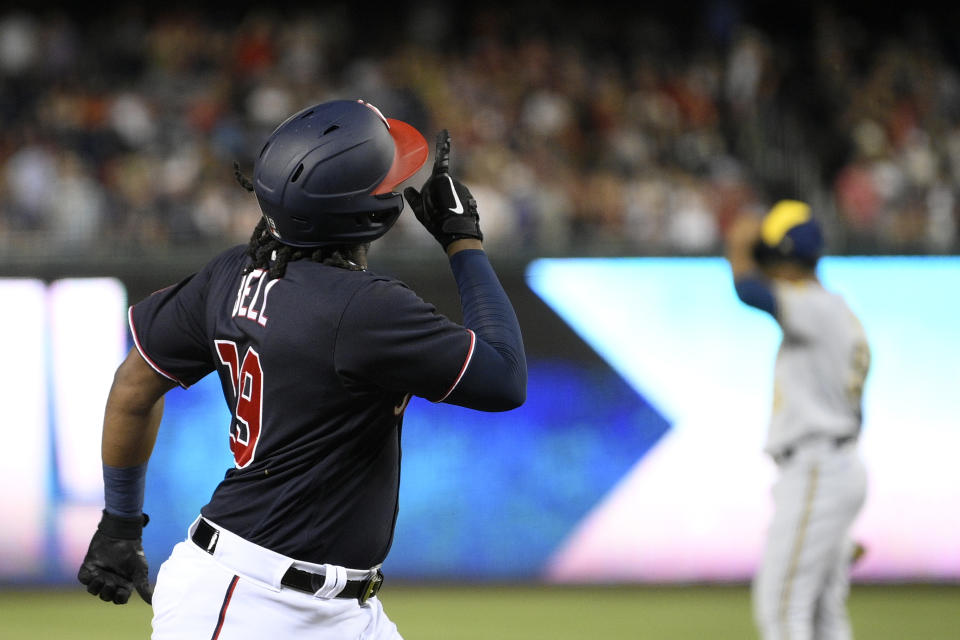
(272, 255)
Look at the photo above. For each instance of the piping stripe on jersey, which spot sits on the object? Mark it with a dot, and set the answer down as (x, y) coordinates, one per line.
(223, 608)
(463, 369)
(153, 365)
(787, 592)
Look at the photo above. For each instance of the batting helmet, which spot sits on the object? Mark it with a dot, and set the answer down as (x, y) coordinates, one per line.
(326, 175)
(789, 233)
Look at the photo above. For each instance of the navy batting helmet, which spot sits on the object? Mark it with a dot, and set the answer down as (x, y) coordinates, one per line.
(789, 232)
(326, 175)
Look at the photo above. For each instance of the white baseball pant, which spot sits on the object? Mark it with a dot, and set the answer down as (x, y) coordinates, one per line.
(235, 594)
(801, 587)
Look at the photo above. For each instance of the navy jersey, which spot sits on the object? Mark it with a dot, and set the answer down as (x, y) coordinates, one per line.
(316, 368)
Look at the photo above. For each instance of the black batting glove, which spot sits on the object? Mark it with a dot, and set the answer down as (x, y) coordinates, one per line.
(443, 205)
(115, 564)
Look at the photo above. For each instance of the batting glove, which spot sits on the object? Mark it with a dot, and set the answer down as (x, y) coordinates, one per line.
(115, 564)
(443, 205)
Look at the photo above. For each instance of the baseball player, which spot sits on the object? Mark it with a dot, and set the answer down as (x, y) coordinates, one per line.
(318, 358)
(800, 589)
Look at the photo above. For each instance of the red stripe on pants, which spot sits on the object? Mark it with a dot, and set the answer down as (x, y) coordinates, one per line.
(223, 608)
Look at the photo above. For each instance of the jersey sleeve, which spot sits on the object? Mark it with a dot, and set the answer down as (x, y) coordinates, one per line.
(391, 338)
(757, 292)
(169, 330)
(798, 319)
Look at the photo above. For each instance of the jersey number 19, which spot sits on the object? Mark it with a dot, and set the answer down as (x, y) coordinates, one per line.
(247, 380)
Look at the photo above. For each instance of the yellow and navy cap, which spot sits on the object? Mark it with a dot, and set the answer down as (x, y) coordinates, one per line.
(789, 232)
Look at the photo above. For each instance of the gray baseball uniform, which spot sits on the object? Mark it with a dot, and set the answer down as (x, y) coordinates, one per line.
(801, 586)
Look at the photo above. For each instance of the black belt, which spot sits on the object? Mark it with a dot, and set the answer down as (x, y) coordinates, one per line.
(788, 452)
(205, 536)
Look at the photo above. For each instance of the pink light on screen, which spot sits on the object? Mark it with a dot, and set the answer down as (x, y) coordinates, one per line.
(24, 428)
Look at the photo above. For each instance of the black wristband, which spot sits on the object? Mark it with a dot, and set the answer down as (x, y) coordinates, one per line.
(459, 228)
(123, 528)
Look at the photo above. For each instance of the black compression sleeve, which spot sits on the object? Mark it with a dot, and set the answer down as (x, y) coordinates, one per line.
(496, 376)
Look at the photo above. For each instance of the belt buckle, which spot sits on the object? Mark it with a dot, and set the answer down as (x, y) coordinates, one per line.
(371, 586)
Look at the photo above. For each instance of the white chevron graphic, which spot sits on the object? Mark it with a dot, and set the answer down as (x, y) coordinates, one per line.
(695, 508)
(675, 331)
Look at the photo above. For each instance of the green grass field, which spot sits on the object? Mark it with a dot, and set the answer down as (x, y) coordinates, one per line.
(879, 612)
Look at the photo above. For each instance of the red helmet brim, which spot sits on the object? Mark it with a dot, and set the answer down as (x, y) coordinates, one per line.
(410, 153)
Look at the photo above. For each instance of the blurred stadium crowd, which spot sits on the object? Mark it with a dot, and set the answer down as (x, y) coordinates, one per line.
(579, 132)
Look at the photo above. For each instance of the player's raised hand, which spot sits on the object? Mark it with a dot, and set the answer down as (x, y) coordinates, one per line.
(444, 205)
(744, 230)
(741, 237)
(441, 159)
(115, 564)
